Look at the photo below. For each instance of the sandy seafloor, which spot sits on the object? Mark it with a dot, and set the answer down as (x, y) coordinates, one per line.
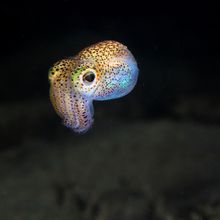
(158, 169)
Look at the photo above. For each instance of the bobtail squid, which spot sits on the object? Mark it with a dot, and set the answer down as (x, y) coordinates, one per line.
(103, 71)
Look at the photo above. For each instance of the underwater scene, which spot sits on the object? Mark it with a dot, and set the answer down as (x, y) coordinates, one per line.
(109, 111)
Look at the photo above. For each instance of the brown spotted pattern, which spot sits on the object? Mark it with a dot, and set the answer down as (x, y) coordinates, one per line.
(114, 72)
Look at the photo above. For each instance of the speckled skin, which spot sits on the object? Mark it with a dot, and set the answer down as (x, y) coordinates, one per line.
(115, 75)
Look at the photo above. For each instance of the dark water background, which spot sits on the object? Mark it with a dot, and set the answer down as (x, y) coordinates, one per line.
(152, 155)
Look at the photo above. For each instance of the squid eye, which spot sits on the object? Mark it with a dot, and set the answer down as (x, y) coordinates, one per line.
(89, 77)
